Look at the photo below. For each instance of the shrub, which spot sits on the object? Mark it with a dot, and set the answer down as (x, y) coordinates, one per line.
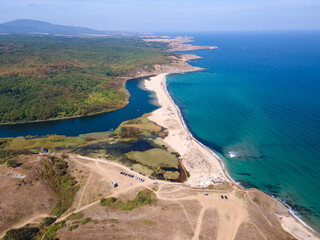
(256, 200)
(85, 221)
(24, 233)
(112, 220)
(62, 185)
(73, 227)
(149, 222)
(75, 216)
(128, 131)
(145, 197)
(53, 229)
(107, 201)
(48, 221)
(13, 163)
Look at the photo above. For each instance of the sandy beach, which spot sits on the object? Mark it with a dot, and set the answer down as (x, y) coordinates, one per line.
(200, 161)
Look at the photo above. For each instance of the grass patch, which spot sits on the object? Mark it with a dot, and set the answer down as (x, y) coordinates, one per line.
(73, 227)
(149, 222)
(85, 221)
(111, 220)
(239, 195)
(107, 201)
(256, 200)
(145, 197)
(13, 163)
(155, 157)
(171, 175)
(62, 185)
(143, 169)
(9, 156)
(14, 146)
(155, 188)
(143, 124)
(75, 216)
(221, 186)
(53, 229)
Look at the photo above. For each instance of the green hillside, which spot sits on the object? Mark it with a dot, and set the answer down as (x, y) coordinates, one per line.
(57, 77)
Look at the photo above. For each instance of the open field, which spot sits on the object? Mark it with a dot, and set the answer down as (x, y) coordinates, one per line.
(159, 158)
(246, 214)
(178, 212)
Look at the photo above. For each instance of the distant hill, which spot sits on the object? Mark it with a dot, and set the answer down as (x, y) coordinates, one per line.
(25, 26)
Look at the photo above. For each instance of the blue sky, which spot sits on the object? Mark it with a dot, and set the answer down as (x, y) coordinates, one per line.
(169, 15)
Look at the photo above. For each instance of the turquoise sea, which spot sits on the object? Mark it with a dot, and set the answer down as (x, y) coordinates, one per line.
(258, 106)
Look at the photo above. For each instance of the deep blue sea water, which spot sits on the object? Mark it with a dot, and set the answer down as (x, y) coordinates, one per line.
(140, 102)
(258, 105)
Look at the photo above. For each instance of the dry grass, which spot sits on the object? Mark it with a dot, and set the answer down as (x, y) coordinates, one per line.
(25, 197)
(155, 157)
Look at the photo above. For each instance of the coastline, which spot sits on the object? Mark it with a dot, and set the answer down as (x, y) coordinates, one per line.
(200, 162)
(207, 165)
(205, 161)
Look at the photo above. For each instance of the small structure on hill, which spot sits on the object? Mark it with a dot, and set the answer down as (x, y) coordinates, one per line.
(44, 150)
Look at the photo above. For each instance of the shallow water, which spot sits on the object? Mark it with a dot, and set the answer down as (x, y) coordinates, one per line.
(258, 105)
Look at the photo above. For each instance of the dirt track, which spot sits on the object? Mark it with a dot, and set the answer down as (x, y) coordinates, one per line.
(182, 212)
(231, 214)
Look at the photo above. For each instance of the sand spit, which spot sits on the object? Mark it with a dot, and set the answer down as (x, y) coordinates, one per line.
(202, 164)
(199, 161)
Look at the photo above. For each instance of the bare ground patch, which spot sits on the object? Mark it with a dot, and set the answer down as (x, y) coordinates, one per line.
(210, 224)
(24, 195)
(168, 220)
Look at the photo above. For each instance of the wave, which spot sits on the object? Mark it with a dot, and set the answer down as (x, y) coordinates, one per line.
(294, 213)
(232, 154)
(191, 135)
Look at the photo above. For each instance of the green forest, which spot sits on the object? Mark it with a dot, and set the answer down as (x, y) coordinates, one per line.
(50, 77)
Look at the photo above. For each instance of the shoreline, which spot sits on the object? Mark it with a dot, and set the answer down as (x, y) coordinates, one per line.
(200, 162)
(123, 88)
(177, 138)
(194, 138)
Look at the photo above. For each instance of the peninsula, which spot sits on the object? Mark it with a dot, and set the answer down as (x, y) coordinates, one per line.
(177, 43)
